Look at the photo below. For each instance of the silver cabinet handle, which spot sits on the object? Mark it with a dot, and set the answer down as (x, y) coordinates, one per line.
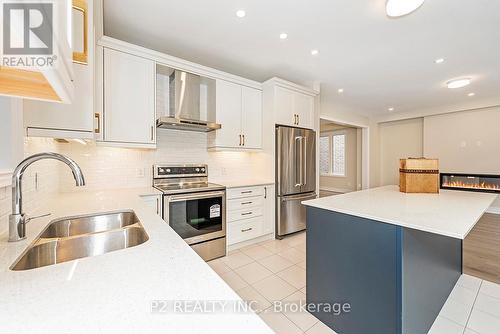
(247, 229)
(247, 192)
(157, 206)
(240, 140)
(265, 192)
(246, 203)
(243, 140)
(152, 133)
(246, 213)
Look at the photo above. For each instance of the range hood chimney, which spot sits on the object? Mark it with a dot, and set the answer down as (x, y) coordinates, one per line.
(184, 110)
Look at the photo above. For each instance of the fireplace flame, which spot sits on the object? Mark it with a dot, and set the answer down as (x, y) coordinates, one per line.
(466, 185)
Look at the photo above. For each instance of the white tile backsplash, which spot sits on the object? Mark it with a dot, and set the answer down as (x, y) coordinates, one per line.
(112, 167)
(40, 181)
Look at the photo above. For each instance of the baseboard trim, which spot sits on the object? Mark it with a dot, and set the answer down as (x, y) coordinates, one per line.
(494, 209)
(335, 190)
(250, 242)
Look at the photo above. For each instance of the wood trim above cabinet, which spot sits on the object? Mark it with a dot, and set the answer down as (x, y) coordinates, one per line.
(82, 57)
(27, 84)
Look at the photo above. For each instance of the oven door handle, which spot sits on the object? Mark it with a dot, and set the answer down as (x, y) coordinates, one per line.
(187, 197)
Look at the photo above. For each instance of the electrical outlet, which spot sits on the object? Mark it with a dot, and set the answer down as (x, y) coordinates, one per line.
(139, 172)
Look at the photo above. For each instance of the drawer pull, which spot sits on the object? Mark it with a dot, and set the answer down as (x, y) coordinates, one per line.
(246, 203)
(247, 192)
(246, 213)
(246, 229)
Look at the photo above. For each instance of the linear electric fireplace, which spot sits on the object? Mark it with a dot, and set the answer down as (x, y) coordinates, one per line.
(471, 182)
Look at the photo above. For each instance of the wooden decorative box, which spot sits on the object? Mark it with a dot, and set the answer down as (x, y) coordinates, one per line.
(419, 175)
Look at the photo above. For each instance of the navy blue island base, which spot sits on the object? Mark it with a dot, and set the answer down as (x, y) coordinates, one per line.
(394, 279)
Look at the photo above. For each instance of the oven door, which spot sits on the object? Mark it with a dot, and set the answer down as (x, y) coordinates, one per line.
(197, 217)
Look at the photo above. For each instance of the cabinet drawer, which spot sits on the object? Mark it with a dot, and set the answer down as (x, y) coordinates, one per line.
(244, 214)
(245, 203)
(244, 230)
(245, 192)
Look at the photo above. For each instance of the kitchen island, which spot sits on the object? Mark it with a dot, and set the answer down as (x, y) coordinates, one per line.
(392, 257)
(123, 291)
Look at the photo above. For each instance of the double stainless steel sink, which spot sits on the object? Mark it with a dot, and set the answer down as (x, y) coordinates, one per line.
(78, 237)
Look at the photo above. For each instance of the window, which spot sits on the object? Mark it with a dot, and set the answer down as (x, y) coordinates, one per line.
(324, 155)
(332, 154)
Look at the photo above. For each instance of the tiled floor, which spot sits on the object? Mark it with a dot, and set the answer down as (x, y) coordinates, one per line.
(276, 270)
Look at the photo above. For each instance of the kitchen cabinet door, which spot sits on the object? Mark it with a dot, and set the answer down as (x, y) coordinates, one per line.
(129, 98)
(154, 202)
(303, 106)
(228, 112)
(269, 203)
(251, 118)
(284, 106)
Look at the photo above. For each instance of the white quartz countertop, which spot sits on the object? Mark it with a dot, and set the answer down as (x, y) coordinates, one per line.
(113, 293)
(449, 213)
(245, 183)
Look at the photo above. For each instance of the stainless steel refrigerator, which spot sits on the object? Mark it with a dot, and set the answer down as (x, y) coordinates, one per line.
(295, 177)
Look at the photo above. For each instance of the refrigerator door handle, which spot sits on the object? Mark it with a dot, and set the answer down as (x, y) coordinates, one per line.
(304, 163)
(298, 171)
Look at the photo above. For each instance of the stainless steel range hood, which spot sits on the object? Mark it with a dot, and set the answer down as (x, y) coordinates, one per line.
(184, 111)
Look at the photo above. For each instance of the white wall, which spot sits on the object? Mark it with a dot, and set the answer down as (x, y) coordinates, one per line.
(400, 139)
(467, 142)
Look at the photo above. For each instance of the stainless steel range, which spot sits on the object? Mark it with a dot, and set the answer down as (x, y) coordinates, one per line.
(193, 207)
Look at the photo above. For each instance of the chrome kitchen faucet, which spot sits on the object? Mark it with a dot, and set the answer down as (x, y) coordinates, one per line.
(18, 220)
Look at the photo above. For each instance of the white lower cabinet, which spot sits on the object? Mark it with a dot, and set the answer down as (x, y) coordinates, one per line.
(250, 213)
(155, 203)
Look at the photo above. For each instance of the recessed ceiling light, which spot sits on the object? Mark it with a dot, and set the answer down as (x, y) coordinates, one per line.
(471, 94)
(314, 52)
(458, 83)
(439, 61)
(283, 35)
(241, 13)
(396, 8)
(340, 90)
(390, 108)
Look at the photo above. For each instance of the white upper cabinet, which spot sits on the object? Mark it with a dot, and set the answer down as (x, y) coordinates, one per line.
(239, 111)
(129, 99)
(303, 106)
(251, 118)
(75, 120)
(284, 106)
(293, 108)
(228, 114)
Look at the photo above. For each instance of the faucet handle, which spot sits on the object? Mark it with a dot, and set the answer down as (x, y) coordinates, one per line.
(36, 217)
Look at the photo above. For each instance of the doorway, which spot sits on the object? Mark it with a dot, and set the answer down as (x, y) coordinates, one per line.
(340, 158)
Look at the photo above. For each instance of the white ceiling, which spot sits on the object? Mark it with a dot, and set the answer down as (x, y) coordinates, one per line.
(380, 62)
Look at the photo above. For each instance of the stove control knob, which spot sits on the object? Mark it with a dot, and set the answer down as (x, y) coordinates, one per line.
(161, 170)
(203, 170)
(197, 170)
(168, 170)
